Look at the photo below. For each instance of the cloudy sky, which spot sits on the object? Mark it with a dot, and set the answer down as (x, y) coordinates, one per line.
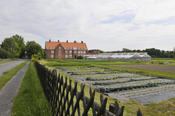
(103, 24)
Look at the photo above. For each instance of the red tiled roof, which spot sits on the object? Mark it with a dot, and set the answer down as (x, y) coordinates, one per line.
(52, 45)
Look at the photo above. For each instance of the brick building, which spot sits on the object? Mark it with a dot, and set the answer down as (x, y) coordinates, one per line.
(65, 50)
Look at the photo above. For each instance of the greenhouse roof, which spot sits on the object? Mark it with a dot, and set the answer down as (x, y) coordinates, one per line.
(119, 55)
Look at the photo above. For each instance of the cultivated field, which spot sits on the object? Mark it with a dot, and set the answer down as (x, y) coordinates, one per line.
(123, 86)
(153, 67)
(150, 93)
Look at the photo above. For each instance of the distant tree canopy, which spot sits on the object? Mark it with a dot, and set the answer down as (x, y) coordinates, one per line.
(34, 49)
(14, 45)
(155, 53)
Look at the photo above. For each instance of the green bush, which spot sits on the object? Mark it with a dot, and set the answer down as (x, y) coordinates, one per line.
(80, 57)
(5, 54)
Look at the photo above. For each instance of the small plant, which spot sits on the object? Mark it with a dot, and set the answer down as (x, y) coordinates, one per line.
(80, 57)
(138, 60)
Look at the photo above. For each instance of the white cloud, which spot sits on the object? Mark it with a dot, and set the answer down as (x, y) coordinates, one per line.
(63, 20)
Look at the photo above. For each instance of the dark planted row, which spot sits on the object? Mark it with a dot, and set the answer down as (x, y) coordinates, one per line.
(113, 89)
(126, 81)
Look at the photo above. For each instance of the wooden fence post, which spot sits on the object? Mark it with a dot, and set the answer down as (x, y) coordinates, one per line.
(115, 108)
(139, 113)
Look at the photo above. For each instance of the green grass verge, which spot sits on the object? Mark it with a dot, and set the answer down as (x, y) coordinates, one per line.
(9, 74)
(71, 62)
(6, 61)
(141, 71)
(31, 100)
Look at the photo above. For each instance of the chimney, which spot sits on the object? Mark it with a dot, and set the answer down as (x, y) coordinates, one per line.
(49, 40)
(67, 41)
(58, 40)
(81, 41)
(75, 42)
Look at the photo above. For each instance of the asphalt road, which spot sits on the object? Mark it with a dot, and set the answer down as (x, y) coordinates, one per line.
(7, 66)
(9, 91)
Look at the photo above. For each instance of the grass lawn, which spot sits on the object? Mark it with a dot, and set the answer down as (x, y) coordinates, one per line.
(140, 71)
(6, 61)
(31, 100)
(9, 74)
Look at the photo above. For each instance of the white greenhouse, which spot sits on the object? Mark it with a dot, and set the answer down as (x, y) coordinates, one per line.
(133, 56)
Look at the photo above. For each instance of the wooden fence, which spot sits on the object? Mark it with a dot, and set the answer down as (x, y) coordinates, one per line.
(66, 100)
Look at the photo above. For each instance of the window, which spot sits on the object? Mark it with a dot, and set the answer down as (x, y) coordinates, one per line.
(52, 56)
(66, 56)
(59, 52)
(52, 51)
(70, 51)
(75, 51)
(75, 48)
(66, 51)
(70, 56)
(84, 51)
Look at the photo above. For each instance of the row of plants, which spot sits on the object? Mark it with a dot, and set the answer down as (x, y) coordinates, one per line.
(114, 89)
(122, 81)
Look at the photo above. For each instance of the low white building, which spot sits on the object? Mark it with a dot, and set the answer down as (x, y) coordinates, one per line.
(133, 56)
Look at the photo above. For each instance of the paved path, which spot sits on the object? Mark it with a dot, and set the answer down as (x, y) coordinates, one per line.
(9, 91)
(7, 66)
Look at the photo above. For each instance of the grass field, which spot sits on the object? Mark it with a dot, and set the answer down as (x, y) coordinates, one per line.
(164, 108)
(31, 100)
(6, 61)
(9, 74)
(107, 64)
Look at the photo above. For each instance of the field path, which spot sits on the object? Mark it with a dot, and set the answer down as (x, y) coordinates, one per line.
(9, 91)
(7, 66)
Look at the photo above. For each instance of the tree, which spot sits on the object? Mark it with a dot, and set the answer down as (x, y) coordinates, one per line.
(5, 54)
(126, 50)
(15, 45)
(33, 49)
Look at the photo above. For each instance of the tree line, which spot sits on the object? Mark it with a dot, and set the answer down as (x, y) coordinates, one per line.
(153, 52)
(15, 47)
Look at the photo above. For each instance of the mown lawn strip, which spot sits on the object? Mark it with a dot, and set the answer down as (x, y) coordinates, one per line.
(9, 74)
(6, 61)
(141, 71)
(31, 100)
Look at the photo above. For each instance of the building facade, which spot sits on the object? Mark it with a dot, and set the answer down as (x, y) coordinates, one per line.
(65, 50)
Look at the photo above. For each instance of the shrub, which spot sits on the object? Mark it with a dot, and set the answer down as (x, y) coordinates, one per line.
(138, 60)
(5, 54)
(80, 57)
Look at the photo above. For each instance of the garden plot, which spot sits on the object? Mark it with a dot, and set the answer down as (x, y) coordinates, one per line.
(121, 80)
(122, 85)
(147, 95)
(132, 85)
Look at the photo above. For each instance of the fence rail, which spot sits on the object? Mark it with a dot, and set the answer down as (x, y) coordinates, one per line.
(66, 100)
